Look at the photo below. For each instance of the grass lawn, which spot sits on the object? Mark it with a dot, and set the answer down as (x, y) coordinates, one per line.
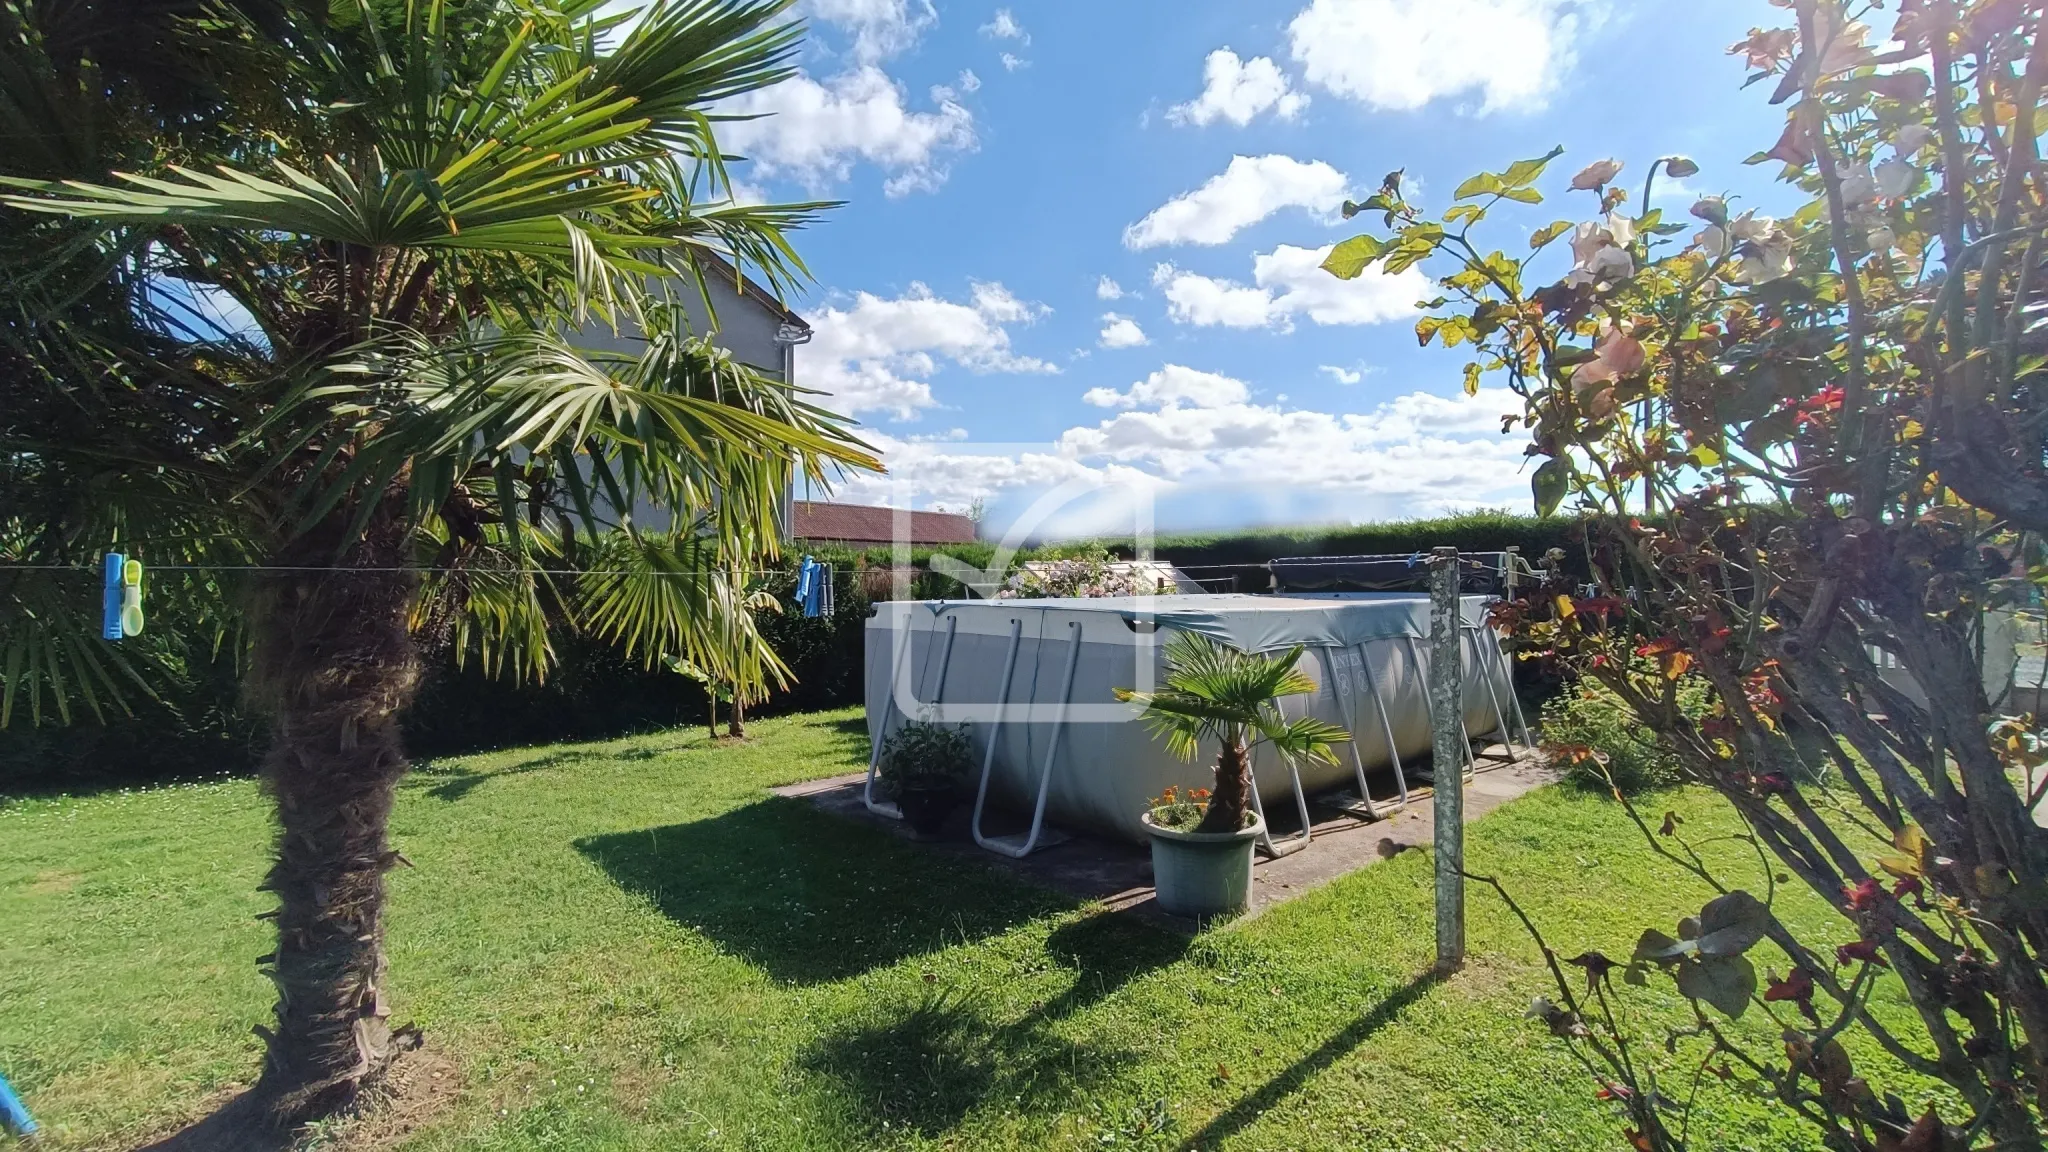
(632, 945)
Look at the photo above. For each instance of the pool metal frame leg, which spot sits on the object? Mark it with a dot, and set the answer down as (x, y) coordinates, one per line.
(1338, 688)
(883, 808)
(1469, 765)
(1508, 678)
(1292, 844)
(995, 729)
(1386, 725)
(1500, 716)
(1020, 847)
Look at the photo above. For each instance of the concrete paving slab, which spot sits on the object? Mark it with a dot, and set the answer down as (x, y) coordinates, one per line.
(1119, 874)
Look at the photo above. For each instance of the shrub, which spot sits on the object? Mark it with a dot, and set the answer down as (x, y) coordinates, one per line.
(924, 757)
(1591, 730)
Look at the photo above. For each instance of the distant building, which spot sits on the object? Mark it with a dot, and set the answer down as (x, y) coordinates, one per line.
(866, 526)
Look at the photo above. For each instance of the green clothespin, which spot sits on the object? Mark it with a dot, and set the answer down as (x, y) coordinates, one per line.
(131, 598)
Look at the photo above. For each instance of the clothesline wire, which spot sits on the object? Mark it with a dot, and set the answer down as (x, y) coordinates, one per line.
(369, 570)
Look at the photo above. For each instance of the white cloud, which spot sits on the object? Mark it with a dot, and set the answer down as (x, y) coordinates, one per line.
(1188, 448)
(1121, 332)
(1249, 190)
(1237, 90)
(814, 132)
(968, 81)
(1107, 289)
(928, 473)
(1172, 386)
(1340, 374)
(1426, 452)
(1004, 26)
(1400, 55)
(1012, 62)
(1289, 282)
(877, 355)
(879, 28)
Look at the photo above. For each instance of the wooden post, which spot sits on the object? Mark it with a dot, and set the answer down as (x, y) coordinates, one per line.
(1447, 724)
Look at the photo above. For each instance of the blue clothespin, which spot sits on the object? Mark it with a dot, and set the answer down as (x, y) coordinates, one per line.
(13, 1115)
(113, 597)
(121, 598)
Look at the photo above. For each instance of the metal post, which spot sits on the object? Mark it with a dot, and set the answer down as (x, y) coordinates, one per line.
(1447, 721)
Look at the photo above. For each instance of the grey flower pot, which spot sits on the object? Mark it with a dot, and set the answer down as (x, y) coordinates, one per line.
(1203, 874)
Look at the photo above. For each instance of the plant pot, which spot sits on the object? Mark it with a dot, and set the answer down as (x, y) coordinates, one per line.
(1203, 874)
(926, 809)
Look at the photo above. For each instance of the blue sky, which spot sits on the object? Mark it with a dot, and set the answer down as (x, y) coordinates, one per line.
(1003, 165)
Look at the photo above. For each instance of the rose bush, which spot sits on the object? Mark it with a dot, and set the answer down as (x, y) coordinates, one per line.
(1813, 455)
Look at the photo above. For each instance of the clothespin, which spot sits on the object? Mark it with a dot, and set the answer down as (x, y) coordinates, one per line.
(113, 597)
(121, 600)
(14, 1115)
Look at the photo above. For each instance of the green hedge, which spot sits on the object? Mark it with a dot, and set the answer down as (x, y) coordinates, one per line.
(1472, 532)
(1481, 531)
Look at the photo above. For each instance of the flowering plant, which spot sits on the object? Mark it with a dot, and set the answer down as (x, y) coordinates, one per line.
(1179, 810)
(1088, 572)
(1812, 456)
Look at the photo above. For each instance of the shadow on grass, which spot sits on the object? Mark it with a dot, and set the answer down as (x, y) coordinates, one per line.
(1107, 952)
(852, 735)
(808, 897)
(924, 1067)
(1297, 1075)
(447, 782)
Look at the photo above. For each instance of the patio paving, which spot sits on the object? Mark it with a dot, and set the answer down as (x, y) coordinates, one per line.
(1119, 874)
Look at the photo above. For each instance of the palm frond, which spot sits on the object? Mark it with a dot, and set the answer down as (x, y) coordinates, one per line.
(1214, 691)
(652, 595)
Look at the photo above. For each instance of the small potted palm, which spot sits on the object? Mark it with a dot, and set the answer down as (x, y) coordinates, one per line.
(923, 766)
(1202, 840)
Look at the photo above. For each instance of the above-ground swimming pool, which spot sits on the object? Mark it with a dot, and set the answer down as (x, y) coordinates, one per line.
(1033, 681)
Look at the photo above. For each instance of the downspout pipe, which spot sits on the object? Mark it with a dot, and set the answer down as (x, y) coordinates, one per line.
(788, 336)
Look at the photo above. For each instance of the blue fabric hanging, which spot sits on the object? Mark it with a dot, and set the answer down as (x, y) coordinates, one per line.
(807, 586)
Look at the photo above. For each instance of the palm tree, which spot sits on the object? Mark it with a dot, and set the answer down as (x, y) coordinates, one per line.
(1215, 692)
(317, 326)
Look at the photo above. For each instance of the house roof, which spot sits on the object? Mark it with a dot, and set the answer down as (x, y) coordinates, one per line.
(868, 524)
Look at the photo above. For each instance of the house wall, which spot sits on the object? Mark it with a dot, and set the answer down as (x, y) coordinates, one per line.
(743, 326)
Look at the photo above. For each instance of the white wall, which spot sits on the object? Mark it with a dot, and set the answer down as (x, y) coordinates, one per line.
(743, 325)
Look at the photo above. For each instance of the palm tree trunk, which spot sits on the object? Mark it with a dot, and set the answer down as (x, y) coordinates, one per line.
(336, 664)
(737, 726)
(1228, 802)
